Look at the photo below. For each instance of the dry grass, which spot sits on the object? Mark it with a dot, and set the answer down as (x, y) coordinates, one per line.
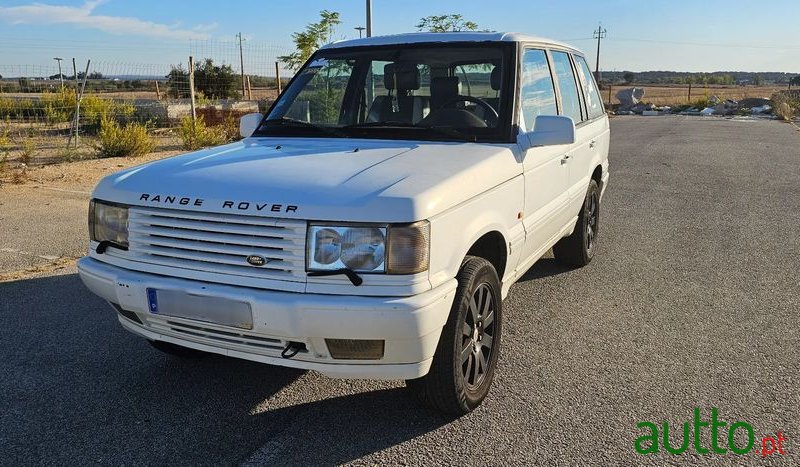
(678, 95)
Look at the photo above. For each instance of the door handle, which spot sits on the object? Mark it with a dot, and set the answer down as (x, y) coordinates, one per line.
(592, 144)
(565, 159)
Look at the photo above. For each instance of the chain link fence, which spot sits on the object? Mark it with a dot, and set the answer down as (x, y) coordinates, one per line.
(57, 112)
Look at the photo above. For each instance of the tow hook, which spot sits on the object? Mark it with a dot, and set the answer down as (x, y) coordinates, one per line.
(292, 349)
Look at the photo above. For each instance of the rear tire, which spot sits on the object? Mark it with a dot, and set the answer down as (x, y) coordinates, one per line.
(464, 364)
(177, 350)
(578, 249)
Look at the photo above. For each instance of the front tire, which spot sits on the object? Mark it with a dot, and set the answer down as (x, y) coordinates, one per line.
(464, 364)
(578, 249)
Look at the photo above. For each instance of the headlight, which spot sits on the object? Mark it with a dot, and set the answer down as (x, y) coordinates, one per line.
(392, 249)
(108, 222)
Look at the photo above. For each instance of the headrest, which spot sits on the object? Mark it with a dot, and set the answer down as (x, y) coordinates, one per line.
(404, 74)
(444, 87)
(496, 78)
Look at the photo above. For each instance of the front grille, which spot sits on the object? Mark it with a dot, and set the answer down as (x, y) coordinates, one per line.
(217, 243)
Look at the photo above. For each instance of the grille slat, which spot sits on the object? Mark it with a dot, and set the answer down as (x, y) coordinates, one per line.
(236, 251)
(215, 336)
(214, 237)
(219, 227)
(217, 243)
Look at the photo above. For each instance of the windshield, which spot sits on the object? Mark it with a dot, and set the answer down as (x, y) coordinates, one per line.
(437, 91)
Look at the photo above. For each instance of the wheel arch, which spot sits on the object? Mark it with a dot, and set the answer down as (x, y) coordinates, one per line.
(493, 247)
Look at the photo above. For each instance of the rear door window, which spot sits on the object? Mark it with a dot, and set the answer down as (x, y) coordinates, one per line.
(568, 85)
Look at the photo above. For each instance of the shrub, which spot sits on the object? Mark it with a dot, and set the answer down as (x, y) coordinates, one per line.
(785, 105)
(94, 109)
(128, 140)
(58, 106)
(17, 108)
(200, 135)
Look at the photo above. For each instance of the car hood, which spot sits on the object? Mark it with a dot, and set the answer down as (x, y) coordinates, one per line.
(318, 179)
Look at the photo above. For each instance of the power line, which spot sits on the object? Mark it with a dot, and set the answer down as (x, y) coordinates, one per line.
(706, 44)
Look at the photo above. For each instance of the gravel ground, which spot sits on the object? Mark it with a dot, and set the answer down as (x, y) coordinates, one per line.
(692, 302)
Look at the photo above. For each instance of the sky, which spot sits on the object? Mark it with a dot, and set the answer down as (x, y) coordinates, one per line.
(680, 35)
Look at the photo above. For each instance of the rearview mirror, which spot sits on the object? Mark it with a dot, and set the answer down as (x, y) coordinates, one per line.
(248, 124)
(548, 130)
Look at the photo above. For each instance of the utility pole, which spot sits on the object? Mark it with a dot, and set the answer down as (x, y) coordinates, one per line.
(241, 63)
(60, 76)
(369, 18)
(360, 30)
(599, 34)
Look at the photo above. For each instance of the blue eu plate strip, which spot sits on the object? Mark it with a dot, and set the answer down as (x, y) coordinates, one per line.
(152, 300)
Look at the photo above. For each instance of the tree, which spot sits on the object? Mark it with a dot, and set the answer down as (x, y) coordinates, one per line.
(794, 81)
(215, 81)
(757, 81)
(178, 82)
(446, 23)
(307, 42)
(629, 76)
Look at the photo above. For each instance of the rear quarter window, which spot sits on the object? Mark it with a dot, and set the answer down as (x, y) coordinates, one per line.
(593, 101)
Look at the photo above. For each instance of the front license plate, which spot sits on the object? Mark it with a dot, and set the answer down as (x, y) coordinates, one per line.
(215, 310)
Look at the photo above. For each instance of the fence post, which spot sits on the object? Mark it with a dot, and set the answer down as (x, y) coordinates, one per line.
(77, 122)
(249, 89)
(278, 76)
(610, 86)
(158, 93)
(191, 95)
(690, 93)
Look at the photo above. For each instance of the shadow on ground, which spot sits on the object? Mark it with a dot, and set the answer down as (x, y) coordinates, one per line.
(545, 267)
(76, 388)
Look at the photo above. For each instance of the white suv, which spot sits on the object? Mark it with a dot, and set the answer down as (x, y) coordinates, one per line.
(370, 225)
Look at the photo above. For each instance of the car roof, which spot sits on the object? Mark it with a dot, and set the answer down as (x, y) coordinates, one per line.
(427, 37)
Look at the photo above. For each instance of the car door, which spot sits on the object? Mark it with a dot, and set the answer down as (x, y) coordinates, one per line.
(572, 105)
(545, 168)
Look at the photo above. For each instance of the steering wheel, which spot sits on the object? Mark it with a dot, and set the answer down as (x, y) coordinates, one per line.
(492, 113)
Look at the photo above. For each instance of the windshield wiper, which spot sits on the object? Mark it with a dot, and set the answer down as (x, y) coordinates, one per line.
(448, 131)
(293, 122)
(386, 124)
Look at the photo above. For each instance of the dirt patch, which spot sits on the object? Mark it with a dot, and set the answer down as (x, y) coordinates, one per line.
(80, 175)
(58, 265)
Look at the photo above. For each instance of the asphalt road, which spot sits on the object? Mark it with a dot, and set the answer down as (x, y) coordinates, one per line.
(692, 302)
(40, 225)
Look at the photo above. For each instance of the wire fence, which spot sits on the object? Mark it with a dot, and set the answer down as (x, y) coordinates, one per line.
(49, 112)
(678, 95)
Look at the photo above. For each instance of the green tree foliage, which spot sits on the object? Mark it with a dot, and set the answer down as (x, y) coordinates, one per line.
(178, 82)
(307, 42)
(214, 81)
(629, 76)
(446, 23)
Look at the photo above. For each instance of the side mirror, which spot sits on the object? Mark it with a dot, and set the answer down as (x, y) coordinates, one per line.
(548, 130)
(248, 124)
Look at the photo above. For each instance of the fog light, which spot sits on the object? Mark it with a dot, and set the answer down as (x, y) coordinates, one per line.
(355, 349)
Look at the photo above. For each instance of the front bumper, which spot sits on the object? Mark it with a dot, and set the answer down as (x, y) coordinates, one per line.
(410, 326)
